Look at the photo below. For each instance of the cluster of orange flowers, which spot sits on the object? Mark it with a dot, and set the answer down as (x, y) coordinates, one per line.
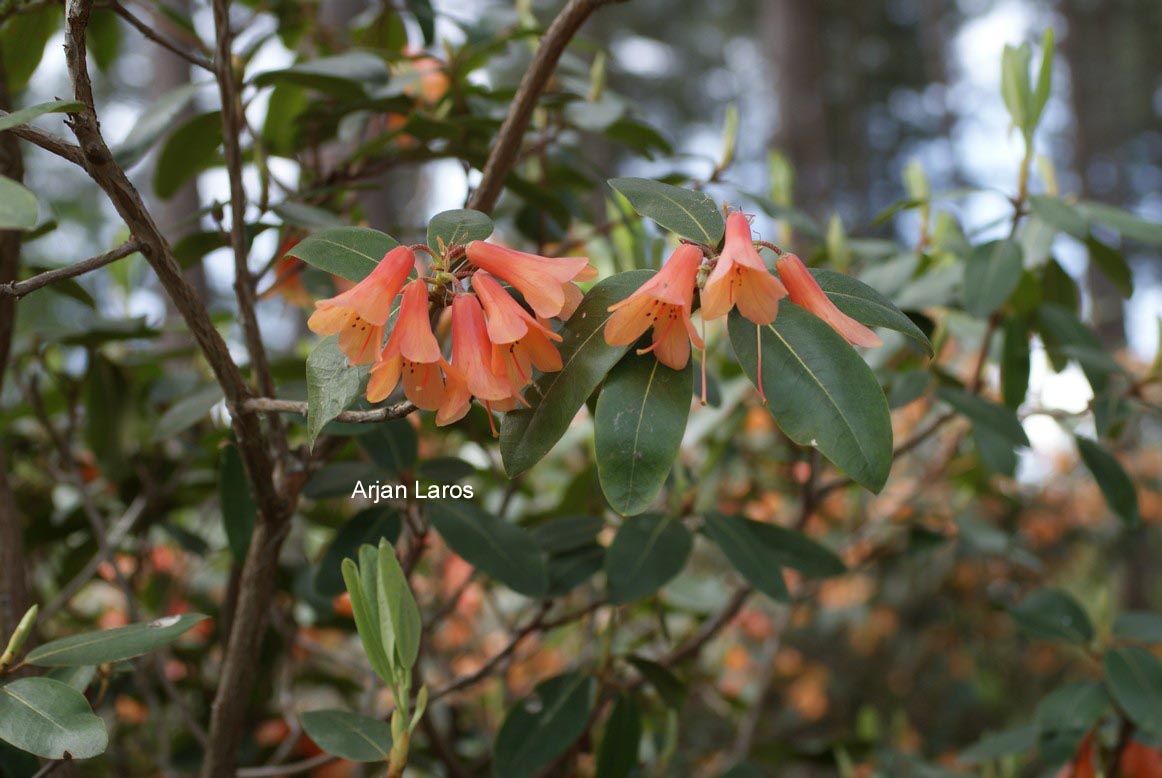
(496, 341)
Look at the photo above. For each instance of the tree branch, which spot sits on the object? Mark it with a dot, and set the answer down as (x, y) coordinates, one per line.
(47, 141)
(150, 33)
(270, 404)
(19, 289)
(508, 140)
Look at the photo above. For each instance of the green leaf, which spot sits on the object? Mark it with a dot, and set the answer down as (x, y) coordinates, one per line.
(1065, 716)
(50, 719)
(113, 645)
(350, 74)
(397, 607)
(26, 115)
(362, 582)
(543, 725)
(1015, 86)
(24, 37)
(569, 569)
(1015, 361)
(348, 735)
(638, 427)
(154, 122)
(1051, 614)
(186, 412)
(1067, 338)
(567, 533)
(986, 413)
(348, 252)
(867, 306)
(759, 550)
(647, 551)
(1057, 213)
(991, 273)
(526, 435)
(18, 208)
(1127, 224)
(332, 385)
(1112, 479)
(308, 217)
(1139, 625)
(617, 756)
(239, 513)
(109, 409)
(669, 687)
(996, 453)
(501, 550)
(995, 745)
(191, 149)
(457, 227)
(693, 215)
(1044, 79)
(820, 391)
(1112, 265)
(393, 445)
(366, 527)
(1134, 678)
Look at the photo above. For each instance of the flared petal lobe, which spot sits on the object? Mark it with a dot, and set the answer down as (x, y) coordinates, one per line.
(542, 280)
(472, 350)
(805, 291)
(741, 278)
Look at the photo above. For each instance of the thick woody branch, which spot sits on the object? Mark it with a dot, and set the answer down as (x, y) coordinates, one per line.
(508, 140)
(19, 289)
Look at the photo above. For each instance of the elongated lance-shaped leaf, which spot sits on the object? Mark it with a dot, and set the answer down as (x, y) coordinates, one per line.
(365, 623)
(402, 612)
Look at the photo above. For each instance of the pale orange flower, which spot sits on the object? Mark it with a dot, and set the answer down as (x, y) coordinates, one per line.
(804, 290)
(412, 352)
(545, 282)
(470, 373)
(519, 340)
(741, 278)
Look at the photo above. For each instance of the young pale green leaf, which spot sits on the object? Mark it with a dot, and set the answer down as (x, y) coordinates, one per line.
(18, 208)
(985, 413)
(332, 385)
(991, 273)
(1052, 614)
(1112, 265)
(1115, 484)
(819, 390)
(617, 757)
(1127, 224)
(455, 228)
(867, 306)
(641, 416)
(693, 215)
(527, 435)
(501, 550)
(1139, 625)
(1056, 212)
(1041, 92)
(647, 551)
(1015, 361)
(541, 726)
(1134, 678)
(396, 598)
(190, 149)
(349, 735)
(348, 252)
(113, 645)
(157, 119)
(367, 526)
(356, 579)
(350, 74)
(25, 115)
(1015, 86)
(239, 512)
(50, 719)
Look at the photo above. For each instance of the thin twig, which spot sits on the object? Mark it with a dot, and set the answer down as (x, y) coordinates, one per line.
(19, 289)
(150, 33)
(47, 141)
(397, 411)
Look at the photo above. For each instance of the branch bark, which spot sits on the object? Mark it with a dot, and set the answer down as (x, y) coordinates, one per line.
(19, 289)
(47, 141)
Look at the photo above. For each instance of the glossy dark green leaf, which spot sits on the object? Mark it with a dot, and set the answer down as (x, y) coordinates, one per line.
(1058, 287)
(641, 417)
(1112, 479)
(455, 228)
(986, 413)
(189, 150)
(693, 215)
(757, 560)
(1139, 625)
(991, 273)
(109, 409)
(186, 412)
(239, 513)
(820, 391)
(50, 719)
(18, 207)
(647, 551)
(309, 217)
(996, 452)
(349, 74)
(569, 569)
(365, 527)
(348, 735)
(526, 435)
(501, 550)
(393, 445)
(425, 17)
(1127, 224)
(1111, 264)
(539, 728)
(867, 306)
(1015, 361)
(566, 533)
(348, 252)
(995, 745)
(1052, 614)
(332, 385)
(113, 645)
(617, 757)
(1065, 716)
(26, 115)
(1134, 678)
(156, 120)
(1067, 338)
(1057, 213)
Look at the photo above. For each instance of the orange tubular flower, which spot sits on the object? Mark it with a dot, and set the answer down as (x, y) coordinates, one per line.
(543, 281)
(741, 278)
(470, 373)
(804, 290)
(519, 340)
(412, 352)
(663, 303)
(358, 315)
